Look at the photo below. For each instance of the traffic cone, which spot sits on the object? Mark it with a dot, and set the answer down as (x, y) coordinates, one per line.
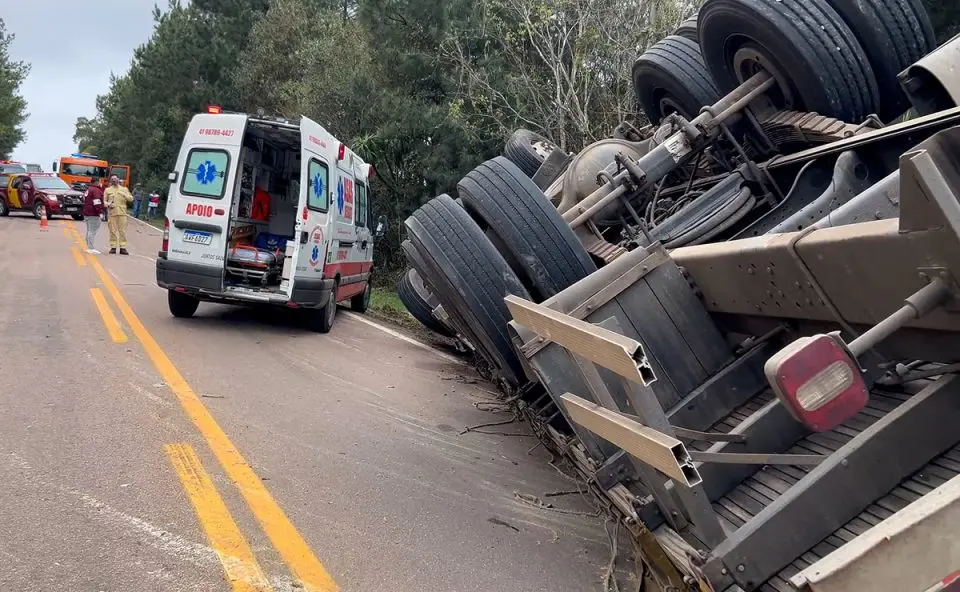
(44, 223)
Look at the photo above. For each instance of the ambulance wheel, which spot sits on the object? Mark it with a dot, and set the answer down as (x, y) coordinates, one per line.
(471, 279)
(182, 306)
(526, 228)
(77, 217)
(361, 302)
(321, 319)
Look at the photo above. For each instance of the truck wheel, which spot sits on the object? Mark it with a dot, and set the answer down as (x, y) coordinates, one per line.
(804, 44)
(417, 305)
(541, 248)
(688, 28)
(528, 150)
(77, 217)
(471, 279)
(321, 319)
(361, 302)
(423, 290)
(671, 77)
(894, 35)
(182, 306)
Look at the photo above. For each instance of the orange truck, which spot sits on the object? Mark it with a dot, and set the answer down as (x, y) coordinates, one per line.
(81, 168)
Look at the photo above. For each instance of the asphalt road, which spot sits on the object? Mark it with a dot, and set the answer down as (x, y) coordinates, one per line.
(237, 451)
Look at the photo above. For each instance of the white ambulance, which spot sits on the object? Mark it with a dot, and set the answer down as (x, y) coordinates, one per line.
(265, 210)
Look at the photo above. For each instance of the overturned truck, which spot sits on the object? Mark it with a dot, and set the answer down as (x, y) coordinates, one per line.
(739, 323)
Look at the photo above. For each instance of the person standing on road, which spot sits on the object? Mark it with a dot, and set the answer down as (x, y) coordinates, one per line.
(153, 204)
(92, 210)
(137, 200)
(117, 198)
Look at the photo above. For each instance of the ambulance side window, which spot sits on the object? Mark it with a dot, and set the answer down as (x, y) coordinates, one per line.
(206, 174)
(318, 194)
(361, 220)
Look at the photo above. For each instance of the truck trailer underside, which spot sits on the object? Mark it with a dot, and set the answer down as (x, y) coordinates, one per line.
(739, 323)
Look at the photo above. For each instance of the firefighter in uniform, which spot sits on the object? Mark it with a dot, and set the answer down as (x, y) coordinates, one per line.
(116, 198)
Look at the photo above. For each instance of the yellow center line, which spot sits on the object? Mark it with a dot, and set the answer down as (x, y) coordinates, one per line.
(78, 257)
(109, 320)
(222, 531)
(274, 522)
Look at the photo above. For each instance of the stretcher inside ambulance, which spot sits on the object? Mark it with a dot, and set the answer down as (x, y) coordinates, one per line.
(267, 210)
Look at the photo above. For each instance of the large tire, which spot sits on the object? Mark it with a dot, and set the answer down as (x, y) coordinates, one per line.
(688, 28)
(528, 150)
(671, 77)
(471, 279)
(817, 61)
(530, 233)
(894, 34)
(418, 306)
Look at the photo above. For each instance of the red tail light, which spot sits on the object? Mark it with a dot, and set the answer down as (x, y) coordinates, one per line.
(818, 380)
(342, 151)
(164, 246)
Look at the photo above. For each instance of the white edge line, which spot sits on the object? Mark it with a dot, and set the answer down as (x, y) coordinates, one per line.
(405, 338)
(150, 226)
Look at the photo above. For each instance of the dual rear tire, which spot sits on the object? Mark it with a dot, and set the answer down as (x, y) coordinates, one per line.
(839, 58)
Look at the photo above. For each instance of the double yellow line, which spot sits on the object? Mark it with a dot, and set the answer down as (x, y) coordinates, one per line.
(238, 561)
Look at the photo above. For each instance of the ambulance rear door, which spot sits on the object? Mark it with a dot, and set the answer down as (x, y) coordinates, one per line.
(313, 231)
(201, 192)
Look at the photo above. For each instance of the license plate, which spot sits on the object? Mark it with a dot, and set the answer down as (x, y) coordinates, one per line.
(196, 237)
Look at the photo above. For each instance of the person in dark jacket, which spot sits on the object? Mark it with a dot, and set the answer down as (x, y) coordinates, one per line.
(92, 211)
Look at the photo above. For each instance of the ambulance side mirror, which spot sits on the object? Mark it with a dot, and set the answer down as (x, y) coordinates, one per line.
(381, 226)
(172, 177)
(54, 166)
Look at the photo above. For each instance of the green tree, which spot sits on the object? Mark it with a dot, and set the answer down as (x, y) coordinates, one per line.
(13, 107)
(945, 16)
(186, 65)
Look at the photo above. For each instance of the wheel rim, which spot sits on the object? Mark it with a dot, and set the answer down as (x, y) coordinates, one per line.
(668, 105)
(542, 148)
(749, 59)
(36, 210)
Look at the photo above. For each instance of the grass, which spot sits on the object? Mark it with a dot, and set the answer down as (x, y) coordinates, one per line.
(385, 303)
(156, 222)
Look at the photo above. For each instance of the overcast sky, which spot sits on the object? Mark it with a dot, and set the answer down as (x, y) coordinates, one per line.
(73, 46)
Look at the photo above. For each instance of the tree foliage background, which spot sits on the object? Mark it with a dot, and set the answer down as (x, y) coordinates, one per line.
(13, 108)
(423, 89)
